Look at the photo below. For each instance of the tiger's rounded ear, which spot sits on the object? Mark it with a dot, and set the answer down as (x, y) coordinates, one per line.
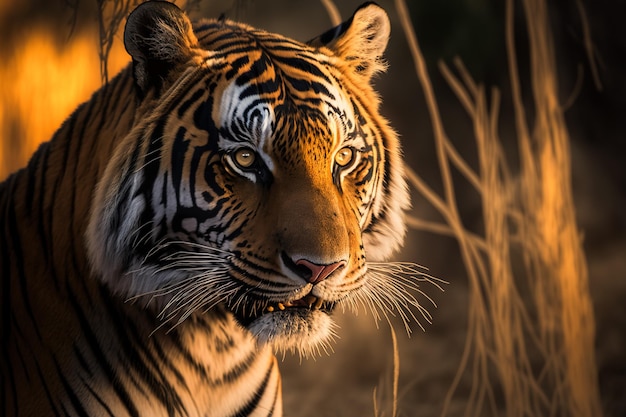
(360, 40)
(158, 36)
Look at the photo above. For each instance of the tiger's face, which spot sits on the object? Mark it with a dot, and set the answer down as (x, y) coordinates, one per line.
(259, 179)
(301, 172)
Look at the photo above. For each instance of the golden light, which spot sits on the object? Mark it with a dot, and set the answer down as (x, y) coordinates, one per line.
(43, 81)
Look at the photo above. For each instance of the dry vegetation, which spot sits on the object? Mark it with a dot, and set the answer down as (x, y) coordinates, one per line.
(528, 354)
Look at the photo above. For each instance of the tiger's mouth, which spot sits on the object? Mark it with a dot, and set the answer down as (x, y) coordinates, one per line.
(303, 325)
(308, 303)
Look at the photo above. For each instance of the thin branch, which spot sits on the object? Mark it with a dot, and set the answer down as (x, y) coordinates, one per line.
(589, 46)
(333, 11)
(433, 108)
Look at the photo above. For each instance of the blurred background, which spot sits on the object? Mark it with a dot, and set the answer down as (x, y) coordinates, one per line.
(50, 62)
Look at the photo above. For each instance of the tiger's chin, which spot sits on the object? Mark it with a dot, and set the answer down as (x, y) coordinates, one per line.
(302, 326)
(305, 331)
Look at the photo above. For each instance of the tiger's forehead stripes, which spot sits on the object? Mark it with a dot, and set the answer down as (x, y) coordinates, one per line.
(273, 91)
(302, 139)
(244, 119)
(313, 120)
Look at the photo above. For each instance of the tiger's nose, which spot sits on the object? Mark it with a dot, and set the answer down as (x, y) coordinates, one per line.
(315, 273)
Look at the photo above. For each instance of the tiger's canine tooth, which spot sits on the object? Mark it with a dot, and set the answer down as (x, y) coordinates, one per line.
(281, 306)
(318, 303)
(270, 308)
(310, 300)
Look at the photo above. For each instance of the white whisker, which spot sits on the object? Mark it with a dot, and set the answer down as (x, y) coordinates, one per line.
(189, 278)
(390, 290)
(148, 161)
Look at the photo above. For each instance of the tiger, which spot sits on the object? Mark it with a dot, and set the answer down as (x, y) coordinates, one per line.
(209, 206)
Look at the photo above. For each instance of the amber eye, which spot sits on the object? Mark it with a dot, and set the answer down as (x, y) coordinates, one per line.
(344, 156)
(244, 157)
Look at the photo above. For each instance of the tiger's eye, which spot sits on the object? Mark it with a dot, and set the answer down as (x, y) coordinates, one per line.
(244, 157)
(344, 156)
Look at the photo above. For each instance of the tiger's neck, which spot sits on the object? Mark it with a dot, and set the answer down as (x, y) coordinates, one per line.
(208, 364)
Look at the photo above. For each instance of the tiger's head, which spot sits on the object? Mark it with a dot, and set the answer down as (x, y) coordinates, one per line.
(259, 177)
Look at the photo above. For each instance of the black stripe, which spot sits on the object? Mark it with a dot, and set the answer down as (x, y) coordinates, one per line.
(76, 403)
(5, 301)
(151, 160)
(142, 360)
(251, 405)
(21, 351)
(184, 106)
(177, 162)
(225, 35)
(203, 117)
(257, 88)
(302, 63)
(8, 374)
(228, 377)
(31, 171)
(277, 398)
(99, 355)
(254, 276)
(18, 257)
(42, 234)
(237, 371)
(165, 361)
(95, 395)
(82, 361)
(49, 396)
(175, 103)
(60, 172)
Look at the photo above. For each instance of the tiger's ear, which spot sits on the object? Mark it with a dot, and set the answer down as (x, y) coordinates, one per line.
(159, 37)
(360, 40)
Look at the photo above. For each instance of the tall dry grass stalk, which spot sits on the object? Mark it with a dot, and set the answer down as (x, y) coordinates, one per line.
(558, 263)
(526, 354)
(380, 397)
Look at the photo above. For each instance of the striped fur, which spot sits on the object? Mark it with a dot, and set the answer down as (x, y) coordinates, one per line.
(213, 202)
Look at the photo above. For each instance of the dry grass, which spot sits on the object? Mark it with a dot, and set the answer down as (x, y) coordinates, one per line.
(527, 354)
(389, 400)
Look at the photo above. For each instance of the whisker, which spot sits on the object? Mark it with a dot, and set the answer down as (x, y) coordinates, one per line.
(148, 161)
(189, 278)
(391, 288)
